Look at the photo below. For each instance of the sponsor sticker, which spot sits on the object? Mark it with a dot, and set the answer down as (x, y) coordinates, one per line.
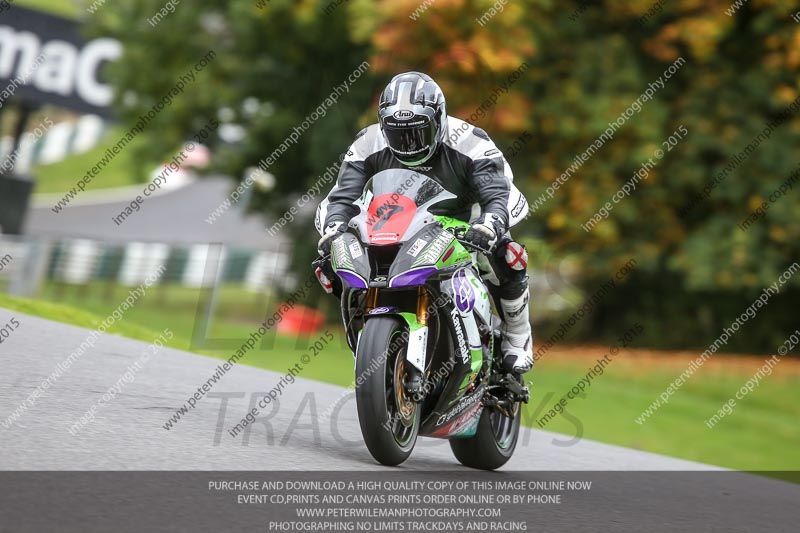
(355, 249)
(465, 402)
(462, 343)
(417, 247)
(463, 292)
(384, 237)
(436, 248)
(517, 209)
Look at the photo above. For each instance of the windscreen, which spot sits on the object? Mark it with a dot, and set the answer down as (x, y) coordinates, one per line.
(393, 199)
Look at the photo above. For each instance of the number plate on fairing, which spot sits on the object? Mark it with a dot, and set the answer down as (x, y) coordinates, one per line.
(417, 342)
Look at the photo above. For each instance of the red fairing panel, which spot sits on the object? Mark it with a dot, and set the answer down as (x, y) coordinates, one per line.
(388, 218)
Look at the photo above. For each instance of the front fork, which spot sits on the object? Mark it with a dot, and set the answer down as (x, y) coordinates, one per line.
(371, 300)
(423, 301)
(416, 355)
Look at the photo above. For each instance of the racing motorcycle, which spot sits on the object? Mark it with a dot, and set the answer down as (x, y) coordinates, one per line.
(419, 320)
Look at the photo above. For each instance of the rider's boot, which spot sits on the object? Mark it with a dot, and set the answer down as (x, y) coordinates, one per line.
(517, 345)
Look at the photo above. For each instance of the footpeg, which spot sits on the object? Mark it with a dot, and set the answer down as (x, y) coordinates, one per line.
(520, 392)
(525, 396)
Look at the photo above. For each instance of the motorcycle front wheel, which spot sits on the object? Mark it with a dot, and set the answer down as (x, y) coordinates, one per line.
(389, 419)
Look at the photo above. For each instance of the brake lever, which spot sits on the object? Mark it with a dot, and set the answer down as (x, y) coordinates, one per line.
(470, 246)
(458, 234)
(320, 261)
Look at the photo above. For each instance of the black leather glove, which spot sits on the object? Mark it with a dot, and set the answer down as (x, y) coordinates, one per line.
(332, 230)
(485, 233)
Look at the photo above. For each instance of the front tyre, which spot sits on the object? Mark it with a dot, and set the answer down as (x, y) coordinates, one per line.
(493, 443)
(389, 420)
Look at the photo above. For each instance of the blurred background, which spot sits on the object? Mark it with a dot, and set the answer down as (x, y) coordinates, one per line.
(99, 101)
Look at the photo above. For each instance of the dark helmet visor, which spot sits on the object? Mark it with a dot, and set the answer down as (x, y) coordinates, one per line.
(411, 143)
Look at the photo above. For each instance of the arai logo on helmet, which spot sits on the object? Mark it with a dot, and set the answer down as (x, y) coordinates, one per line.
(403, 114)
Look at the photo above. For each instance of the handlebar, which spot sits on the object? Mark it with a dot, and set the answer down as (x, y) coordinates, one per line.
(321, 260)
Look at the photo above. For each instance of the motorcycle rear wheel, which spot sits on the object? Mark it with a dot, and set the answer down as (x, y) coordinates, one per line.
(389, 423)
(493, 443)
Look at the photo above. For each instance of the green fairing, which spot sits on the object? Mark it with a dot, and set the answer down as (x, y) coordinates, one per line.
(460, 254)
(477, 359)
(450, 222)
(411, 320)
(481, 288)
(476, 365)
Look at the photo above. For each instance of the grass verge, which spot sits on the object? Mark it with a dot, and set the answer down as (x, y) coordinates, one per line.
(60, 177)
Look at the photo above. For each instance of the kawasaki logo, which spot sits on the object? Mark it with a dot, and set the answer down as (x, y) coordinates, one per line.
(462, 343)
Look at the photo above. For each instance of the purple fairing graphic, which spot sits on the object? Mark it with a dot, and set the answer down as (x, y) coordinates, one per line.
(412, 277)
(463, 292)
(351, 279)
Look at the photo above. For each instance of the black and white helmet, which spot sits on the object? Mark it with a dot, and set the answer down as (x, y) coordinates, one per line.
(413, 117)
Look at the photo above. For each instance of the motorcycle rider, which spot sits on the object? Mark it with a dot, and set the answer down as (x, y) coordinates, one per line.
(414, 132)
